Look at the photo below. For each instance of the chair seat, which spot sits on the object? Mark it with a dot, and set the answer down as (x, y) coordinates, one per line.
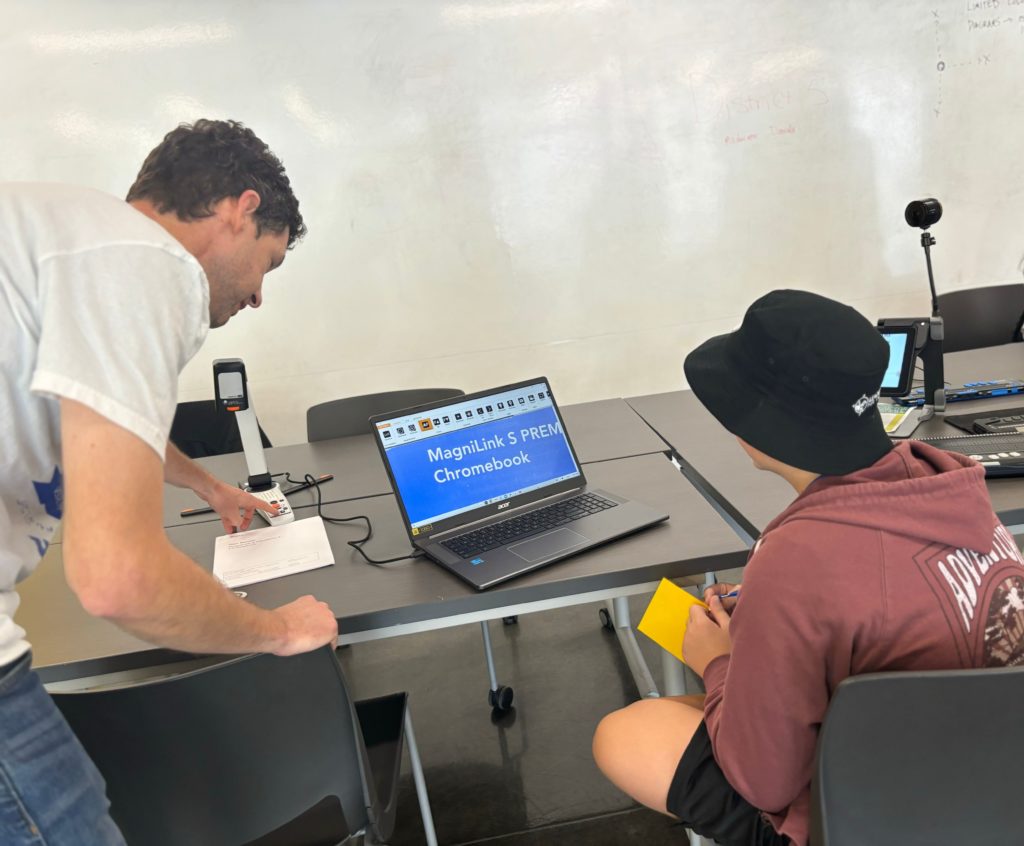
(322, 825)
(982, 317)
(256, 750)
(381, 724)
(381, 721)
(341, 418)
(200, 429)
(929, 757)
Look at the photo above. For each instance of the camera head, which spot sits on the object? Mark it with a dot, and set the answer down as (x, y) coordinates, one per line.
(923, 213)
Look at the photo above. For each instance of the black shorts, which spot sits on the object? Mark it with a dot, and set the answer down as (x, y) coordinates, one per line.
(707, 804)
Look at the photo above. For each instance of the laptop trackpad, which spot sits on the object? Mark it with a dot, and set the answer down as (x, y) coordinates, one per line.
(547, 545)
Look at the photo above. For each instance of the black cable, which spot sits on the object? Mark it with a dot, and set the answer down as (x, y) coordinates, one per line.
(357, 545)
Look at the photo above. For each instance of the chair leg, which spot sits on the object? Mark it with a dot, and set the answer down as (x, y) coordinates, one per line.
(499, 696)
(420, 782)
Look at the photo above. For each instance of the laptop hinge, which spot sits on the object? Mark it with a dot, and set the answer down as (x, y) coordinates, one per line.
(505, 515)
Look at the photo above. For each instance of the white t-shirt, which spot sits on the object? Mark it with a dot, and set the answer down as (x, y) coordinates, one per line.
(98, 304)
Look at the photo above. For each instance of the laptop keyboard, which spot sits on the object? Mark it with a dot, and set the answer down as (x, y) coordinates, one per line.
(507, 531)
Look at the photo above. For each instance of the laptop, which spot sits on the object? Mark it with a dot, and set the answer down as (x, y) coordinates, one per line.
(490, 487)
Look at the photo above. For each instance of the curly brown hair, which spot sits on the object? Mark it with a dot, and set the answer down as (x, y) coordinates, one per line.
(199, 164)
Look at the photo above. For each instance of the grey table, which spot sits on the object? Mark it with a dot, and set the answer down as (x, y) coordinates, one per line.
(600, 431)
(1005, 362)
(354, 461)
(710, 456)
(371, 602)
(713, 460)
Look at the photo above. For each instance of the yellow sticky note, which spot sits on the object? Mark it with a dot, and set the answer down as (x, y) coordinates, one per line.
(666, 617)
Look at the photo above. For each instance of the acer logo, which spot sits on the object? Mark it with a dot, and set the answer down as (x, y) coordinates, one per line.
(504, 505)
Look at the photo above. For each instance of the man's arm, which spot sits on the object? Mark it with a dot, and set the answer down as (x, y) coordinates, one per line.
(122, 567)
(181, 471)
(235, 507)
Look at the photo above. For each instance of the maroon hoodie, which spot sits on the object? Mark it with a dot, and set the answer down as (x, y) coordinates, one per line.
(900, 566)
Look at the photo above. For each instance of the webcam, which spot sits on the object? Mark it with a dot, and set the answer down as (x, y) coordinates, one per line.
(923, 213)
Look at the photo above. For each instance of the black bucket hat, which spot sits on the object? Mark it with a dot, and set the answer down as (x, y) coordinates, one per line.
(799, 381)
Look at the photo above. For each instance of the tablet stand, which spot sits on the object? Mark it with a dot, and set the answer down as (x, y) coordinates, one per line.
(930, 354)
(232, 395)
(928, 332)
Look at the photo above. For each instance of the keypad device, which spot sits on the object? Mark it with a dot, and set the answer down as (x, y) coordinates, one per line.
(1000, 455)
(274, 496)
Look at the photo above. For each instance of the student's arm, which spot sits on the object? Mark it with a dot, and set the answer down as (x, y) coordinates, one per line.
(122, 567)
(234, 506)
(766, 699)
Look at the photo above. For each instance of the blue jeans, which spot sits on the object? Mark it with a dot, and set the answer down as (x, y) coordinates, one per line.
(51, 794)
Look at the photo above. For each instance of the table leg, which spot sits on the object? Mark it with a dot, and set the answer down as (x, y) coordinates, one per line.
(619, 609)
(673, 673)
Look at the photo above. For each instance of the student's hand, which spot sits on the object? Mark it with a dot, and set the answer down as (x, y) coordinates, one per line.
(720, 589)
(707, 636)
(236, 507)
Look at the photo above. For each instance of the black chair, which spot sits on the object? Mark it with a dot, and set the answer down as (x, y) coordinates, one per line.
(348, 416)
(341, 418)
(256, 750)
(921, 758)
(200, 429)
(982, 317)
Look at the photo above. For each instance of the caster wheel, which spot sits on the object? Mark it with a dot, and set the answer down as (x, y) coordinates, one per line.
(500, 699)
(606, 619)
(510, 621)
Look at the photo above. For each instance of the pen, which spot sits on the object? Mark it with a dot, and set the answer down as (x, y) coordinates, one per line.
(730, 595)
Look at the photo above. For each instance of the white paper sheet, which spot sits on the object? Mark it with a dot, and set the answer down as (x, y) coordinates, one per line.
(257, 555)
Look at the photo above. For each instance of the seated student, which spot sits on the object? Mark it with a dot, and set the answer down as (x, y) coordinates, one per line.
(889, 558)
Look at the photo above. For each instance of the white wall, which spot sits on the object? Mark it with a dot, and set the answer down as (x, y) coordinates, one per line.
(505, 188)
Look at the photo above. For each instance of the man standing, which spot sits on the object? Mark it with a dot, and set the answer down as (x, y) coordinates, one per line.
(102, 303)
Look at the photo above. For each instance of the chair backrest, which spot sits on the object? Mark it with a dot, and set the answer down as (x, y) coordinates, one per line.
(981, 317)
(200, 429)
(343, 417)
(227, 753)
(925, 758)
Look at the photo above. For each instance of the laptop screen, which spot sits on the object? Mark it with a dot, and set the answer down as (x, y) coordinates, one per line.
(475, 451)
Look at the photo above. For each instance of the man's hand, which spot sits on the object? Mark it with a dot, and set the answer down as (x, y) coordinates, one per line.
(235, 507)
(707, 636)
(308, 624)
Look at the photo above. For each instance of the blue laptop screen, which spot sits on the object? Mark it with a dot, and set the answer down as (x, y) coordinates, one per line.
(474, 452)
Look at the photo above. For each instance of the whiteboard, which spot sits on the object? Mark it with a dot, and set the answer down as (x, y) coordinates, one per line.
(584, 190)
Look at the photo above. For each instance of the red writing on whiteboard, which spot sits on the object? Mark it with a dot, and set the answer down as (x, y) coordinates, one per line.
(740, 139)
